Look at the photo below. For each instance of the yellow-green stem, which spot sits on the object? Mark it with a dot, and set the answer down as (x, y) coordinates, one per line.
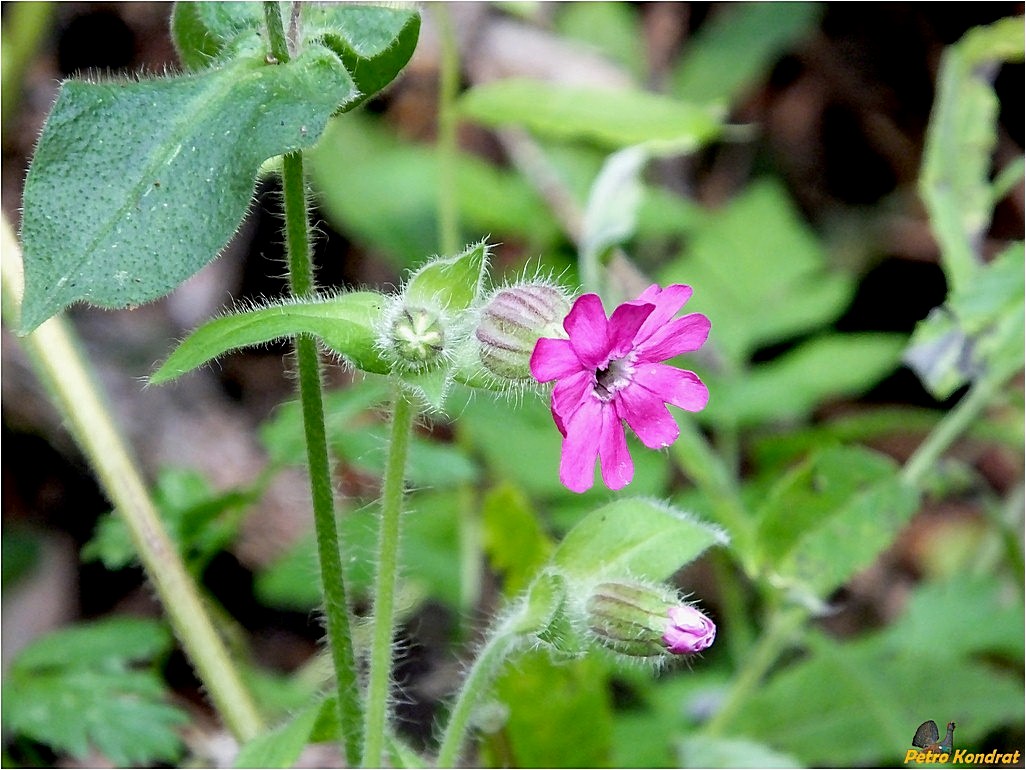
(447, 149)
(765, 653)
(62, 368)
(379, 678)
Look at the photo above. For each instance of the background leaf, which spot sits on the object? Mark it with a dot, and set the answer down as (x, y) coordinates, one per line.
(791, 386)
(74, 688)
(383, 192)
(611, 118)
(832, 516)
(736, 47)
(572, 730)
(755, 296)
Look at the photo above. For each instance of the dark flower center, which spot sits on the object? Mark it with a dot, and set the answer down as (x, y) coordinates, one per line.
(615, 376)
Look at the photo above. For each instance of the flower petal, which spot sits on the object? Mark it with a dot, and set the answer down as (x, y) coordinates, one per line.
(624, 325)
(647, 415)
(553, 358)
(589, 330)
(569, 393)
(682, 335)
(674, 386)
(617, 465)
(577, 463)
(667, 302)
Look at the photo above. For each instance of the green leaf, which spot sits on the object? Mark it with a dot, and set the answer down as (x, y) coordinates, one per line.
(345, 323)
(119, 639)
(205, 32)
(612, 118)
(73, 689)
(384, 192)
(790, 387)
(737, 45)
(977, 333)
(282, 746)
(990, 620)
(831, 517)
(613, 28)
(571, 730)
(858, 704)
(431, 538)
(199, 521)
(960, 141)
(137, 185)
(514, 541)
(374, 42)
(346, 411)
(450, 282)
(635, 538)
(754, 295)
(704, 751)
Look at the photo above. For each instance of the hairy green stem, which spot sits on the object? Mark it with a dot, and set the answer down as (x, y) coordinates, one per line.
(329, 557)
(62, 368)
(379, 677)
(480, 677)
(275, 32)
(336, 604)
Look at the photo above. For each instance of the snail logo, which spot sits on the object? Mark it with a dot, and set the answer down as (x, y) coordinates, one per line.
(932, 750)
(928, 739)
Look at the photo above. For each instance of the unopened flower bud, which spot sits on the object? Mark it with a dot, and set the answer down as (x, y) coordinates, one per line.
(417, 337)
(512, 322)
(689, 631)
(643, 621)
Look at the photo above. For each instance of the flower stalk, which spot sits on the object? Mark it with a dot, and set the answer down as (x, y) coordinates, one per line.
(379, 680)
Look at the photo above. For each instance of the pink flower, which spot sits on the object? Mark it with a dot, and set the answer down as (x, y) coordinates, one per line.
(610, 370)
(689, 631)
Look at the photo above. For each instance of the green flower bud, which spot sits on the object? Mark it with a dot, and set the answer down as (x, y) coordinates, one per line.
(645, 621)
(512, 322)
(416, 338)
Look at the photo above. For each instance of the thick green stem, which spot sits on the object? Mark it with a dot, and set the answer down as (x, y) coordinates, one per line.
(62, 368)
(486, 666)
(336, 605)
(379, 684)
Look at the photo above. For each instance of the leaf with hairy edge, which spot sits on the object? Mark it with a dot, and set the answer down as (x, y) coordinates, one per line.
(637, 538)
(345, 323)
(137, 185)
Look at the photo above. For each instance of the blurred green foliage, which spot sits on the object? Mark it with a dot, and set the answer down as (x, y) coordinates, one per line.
(807, 505)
